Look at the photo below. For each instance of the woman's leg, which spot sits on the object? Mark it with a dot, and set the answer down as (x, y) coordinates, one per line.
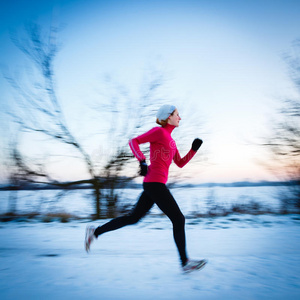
(161, 195)
(143, 205)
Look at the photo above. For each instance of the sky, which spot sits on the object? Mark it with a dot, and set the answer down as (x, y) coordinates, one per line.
(222, 60)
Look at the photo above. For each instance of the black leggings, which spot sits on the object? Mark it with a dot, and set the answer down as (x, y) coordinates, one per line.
(154, 192)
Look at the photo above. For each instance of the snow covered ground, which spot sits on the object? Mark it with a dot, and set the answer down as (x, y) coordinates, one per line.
(250, 257)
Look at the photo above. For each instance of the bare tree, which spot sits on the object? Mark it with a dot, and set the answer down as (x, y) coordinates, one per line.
(284, 143)
(39, 111)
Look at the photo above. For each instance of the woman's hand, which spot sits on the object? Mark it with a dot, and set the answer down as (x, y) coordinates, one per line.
(196, 144)
(143, 168)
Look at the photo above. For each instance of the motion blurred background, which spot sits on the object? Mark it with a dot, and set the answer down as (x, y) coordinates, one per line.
(79, 78)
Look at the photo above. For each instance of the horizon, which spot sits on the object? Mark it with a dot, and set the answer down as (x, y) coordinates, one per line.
(136, 184)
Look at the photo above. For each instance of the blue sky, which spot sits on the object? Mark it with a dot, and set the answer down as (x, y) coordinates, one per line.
(223, 58)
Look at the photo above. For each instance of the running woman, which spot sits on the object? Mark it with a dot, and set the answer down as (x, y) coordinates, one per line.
(163, 151)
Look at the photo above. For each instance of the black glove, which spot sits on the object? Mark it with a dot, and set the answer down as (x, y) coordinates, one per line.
(196, 144)
(143, 168)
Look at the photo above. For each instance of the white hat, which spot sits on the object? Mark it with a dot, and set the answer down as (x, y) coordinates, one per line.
(164, 112)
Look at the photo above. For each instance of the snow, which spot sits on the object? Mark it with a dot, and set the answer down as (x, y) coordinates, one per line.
(250, 257)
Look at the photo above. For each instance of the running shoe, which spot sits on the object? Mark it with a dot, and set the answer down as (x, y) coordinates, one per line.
(89, 237)
(193, 265)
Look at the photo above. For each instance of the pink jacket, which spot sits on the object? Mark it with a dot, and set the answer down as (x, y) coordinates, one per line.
(162, 151)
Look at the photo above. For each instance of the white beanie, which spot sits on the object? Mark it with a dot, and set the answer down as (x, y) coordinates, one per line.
(164, 112)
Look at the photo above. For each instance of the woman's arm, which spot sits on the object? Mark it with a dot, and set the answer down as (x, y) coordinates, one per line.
(181, 162)
(148, 137)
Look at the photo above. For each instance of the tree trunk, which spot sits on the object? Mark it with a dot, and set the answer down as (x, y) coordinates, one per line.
(97, 192)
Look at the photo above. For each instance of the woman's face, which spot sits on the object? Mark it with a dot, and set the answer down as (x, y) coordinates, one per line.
(174, 119)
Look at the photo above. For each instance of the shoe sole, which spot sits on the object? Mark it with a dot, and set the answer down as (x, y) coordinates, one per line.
(202, 265)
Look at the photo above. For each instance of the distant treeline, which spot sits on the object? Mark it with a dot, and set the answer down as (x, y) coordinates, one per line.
(132, 185)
